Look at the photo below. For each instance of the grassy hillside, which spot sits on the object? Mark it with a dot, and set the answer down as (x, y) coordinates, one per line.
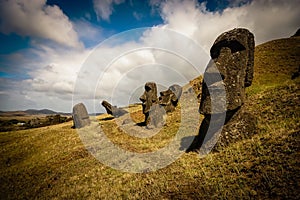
(51, 162)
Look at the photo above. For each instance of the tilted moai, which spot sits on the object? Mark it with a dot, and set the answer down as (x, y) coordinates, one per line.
(152, 110)
(80, 116)
(113, 110)
(223, 90)
(170, 97)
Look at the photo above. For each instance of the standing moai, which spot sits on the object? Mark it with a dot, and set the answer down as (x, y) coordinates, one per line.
(152, 110)
(80, 116)
(231, 69)
(113, 110)
(170, 97)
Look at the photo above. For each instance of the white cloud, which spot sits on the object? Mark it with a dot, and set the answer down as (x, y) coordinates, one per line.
(137, 16)
(55, 75)
(34, 18)
(54, 70)
(104, 9)
(89, 33)
(266, 19)
(113, 72)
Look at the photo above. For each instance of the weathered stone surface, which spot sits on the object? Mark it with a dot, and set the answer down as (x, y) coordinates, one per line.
(170, 97)
(149, 98)
(177, 90)
(80, 116)
(233, 58)
(223, 91)
(155, 119)
(239, 124)
(113, 110)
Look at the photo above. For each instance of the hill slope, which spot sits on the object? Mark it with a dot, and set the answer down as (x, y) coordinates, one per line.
(51, 162)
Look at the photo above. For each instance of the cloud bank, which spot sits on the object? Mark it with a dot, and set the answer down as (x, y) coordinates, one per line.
(266, 19)
(34, 18)
(55, 69)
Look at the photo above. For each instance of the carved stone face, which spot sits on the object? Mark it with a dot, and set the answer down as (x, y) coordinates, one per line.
(233, 57)
(149, 96)
(169, 98)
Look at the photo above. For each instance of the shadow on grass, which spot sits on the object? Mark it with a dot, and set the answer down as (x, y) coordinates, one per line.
(107, 118)
(141, 124)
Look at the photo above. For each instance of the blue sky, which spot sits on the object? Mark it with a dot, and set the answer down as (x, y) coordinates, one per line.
(127, 15)
(44, 43)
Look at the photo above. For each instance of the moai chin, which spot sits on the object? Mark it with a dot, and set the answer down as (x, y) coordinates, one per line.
(80, 116)
(231, 68)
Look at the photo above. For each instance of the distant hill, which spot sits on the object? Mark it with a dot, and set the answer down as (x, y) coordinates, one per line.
(32, 112)
(37, 112)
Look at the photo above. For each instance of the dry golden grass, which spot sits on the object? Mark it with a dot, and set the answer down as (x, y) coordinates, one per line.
(52, 163)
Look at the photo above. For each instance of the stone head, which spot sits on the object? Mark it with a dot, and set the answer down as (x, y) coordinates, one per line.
(149, 96)
(170, 97)
(232, 57)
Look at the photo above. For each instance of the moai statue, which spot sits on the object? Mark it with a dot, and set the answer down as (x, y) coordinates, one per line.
(80, 116)
(151, 109)
(177, 90)
(230, 71)
(169, 98)
(113, 110)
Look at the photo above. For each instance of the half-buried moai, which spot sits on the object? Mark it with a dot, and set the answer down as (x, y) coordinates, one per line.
(170, 97)
(223, 91)
(152, 110)
(80, 116)
(113, 110)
